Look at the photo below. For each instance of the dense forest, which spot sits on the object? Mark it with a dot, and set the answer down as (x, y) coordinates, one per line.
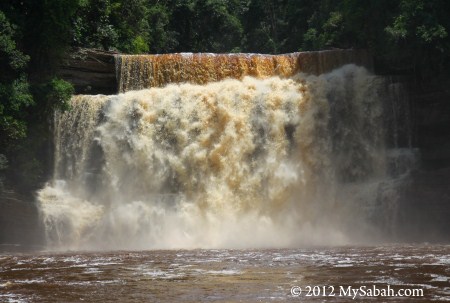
(407, 37)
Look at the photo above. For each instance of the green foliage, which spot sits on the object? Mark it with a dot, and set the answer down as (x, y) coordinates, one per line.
(195, 25)
(10, 55)
(138, 26)
(419, 32)
(264, 23)
(25, 106)
(14, 92)
(15, 96)
(92, 25)
(270, 26)
(51, 95)
(14, 88)
(417, 20)
(27, 152)
(129, 19)
(47, 31)
(161, 38)
(215, 26)
(328, 33)
(58, 94)
(139, 46)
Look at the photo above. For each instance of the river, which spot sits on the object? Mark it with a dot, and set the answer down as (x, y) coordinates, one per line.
(421, 273)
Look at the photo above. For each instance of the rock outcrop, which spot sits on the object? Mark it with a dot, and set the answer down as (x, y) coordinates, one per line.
(431, 103)
(425, 205)
(20, 226)
(90, 71)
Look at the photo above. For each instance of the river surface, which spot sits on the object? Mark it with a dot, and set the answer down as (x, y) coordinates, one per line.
(272, 275)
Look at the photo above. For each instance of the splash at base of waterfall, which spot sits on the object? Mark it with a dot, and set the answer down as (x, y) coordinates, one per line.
(231, 164)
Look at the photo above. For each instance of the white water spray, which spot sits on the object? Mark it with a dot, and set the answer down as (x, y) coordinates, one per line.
(230, 164)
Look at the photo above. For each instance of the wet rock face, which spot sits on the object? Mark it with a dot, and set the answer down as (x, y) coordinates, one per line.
(20, 227)
(425, 206)
(432, 114)
(90, 71)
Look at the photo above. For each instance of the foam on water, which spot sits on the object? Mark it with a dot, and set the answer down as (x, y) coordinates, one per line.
(266, 273)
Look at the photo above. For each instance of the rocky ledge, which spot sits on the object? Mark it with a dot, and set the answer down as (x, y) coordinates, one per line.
(90, 71)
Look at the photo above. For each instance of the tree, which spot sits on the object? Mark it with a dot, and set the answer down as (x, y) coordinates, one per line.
(419, 34)
(14, 91)
(92, 25)
(29, 93)
(264, 22)
(207, 25)
(14, 88)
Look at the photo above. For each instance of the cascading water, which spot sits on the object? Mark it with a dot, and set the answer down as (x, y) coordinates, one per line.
(274, 162)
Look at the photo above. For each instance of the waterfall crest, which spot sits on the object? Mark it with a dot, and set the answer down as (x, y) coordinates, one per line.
(135, 72)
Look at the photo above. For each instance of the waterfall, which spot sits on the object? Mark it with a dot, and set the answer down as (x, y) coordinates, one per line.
(273, 158)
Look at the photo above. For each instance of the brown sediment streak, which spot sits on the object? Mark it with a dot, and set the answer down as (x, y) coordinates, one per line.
(144, 71)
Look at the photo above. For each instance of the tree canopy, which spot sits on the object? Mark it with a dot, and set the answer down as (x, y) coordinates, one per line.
(404, 35)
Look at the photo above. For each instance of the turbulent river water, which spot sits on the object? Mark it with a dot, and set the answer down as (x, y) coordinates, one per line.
(422, 272)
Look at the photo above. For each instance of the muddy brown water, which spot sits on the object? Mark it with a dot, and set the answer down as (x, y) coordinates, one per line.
(229, 275)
